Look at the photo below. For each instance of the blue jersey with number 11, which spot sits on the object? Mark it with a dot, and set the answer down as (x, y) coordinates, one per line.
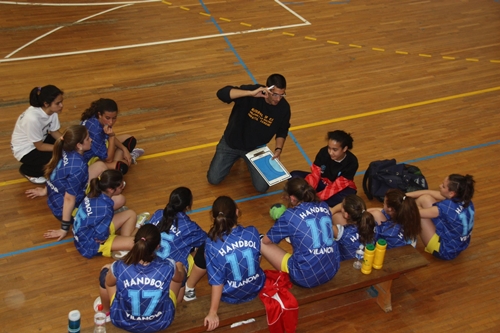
(234, 262)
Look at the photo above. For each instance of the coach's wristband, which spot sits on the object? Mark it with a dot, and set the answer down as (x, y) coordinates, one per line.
(65, 225)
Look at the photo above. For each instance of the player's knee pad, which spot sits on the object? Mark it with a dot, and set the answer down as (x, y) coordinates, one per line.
(122, 167)
(199, 258)
(102, 277)
(130, 143)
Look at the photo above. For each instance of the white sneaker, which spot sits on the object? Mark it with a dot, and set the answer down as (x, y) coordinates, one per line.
(96, 304)
(36, 180)
(121, 209)
(141, 219)
(136, 153)
(117, 255)
(189, 295)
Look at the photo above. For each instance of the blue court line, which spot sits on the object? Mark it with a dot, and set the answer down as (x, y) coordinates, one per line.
(240, 60)
(424, 158)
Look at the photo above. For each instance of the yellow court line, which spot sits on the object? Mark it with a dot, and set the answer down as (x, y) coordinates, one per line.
(318, 123)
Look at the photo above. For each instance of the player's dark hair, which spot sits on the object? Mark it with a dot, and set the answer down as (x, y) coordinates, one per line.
(301, 189)
(98, 108)
(180, 200)
(109, 179)
(41, 95)
(276, 80)
(342, 137)
(355, 207)
(146, 240)
(68, 141)
(225, 217)
(405, 213)
(463, 186)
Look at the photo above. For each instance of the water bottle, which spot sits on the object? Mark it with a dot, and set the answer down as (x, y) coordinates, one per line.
(366, 268)
(99, 320)
(380, 248)
(74, 321)
(359, 257)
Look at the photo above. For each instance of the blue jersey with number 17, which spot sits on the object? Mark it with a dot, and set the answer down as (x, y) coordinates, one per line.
(234, 262)
(315, 259)
(142, 301)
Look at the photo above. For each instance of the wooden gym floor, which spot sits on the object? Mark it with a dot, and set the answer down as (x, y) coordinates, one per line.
(413, 80)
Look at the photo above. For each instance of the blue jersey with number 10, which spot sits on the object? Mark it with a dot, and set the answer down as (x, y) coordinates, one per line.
(142, 301)
(315, 259)
(234, 262)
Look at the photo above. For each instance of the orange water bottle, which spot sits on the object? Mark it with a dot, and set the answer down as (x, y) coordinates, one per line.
(368, 259)
(380, 248)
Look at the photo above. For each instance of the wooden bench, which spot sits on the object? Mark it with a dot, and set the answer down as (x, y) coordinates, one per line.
(190, 315)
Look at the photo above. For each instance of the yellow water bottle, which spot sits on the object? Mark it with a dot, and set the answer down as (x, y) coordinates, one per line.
(380, 248)
(368, 259)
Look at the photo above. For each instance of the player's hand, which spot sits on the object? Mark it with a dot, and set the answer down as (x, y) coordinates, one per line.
(108, 130)
(59, 234)
(127, 157)
(36, 192)
(212, 321)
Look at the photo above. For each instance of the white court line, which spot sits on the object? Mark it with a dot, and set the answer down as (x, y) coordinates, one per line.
(8, 59)
(151, 43)
(74, 4)
(54, 30)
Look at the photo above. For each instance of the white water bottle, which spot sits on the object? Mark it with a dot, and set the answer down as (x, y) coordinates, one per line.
(359, 257)
(99, 320)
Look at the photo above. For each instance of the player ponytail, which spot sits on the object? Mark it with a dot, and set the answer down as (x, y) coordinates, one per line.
(355, 207)
(301, 189)
(404, 212)
(44, 96)
(180, 200)
(98, 108)
(225, 215)
(68, 141)
(463, 186)
(146, 242)
(109, 179)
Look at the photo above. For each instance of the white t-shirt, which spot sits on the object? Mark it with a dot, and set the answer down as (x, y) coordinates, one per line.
(33, 125)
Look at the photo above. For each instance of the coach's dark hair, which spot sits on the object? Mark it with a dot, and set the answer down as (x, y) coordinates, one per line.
(224, 213)
(109, 179)
(342, 137)
(180, 200)
(405, 213)
(68, 141)
(39, 96)
(276, 80)
(358, 215)
(463, 186)
(301, 189)
(146, 241)
(99, 107)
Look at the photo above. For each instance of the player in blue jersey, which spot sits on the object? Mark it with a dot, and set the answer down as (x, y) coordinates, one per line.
(308, 223)
(140, 292)
(67, 175)
(179, 234)
(232, 261)
(447, 216)
(96, 224)
(398, 223)
(118, 152)
(353, 226)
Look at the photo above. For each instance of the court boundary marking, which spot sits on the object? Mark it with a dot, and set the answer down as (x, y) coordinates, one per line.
(130, 46)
